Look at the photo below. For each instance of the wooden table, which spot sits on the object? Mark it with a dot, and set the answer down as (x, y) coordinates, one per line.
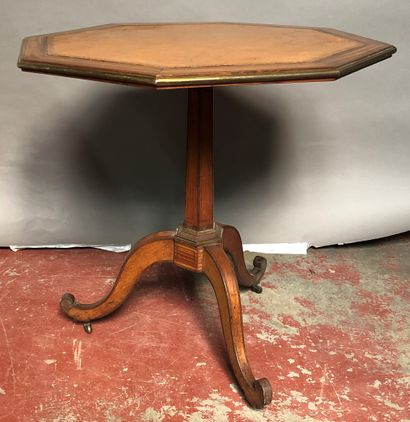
(199, 57)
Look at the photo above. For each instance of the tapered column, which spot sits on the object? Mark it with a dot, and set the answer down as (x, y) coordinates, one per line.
(199, 195)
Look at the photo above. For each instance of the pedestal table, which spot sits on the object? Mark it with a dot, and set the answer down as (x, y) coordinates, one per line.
(198, 57)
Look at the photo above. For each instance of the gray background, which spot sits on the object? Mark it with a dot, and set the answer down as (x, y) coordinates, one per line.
(86, 162)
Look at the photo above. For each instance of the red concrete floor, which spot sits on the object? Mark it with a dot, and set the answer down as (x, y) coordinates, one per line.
(331, 331)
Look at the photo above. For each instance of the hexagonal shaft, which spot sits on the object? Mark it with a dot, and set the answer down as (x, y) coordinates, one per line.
(199, 189)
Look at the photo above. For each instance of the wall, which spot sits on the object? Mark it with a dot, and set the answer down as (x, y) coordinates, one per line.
(86, 162)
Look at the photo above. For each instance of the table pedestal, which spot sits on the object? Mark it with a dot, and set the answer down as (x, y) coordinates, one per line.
(200, 245)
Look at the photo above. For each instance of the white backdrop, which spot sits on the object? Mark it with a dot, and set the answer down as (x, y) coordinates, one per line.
(90, 163)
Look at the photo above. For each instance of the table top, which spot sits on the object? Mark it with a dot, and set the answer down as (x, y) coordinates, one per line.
(172, 55)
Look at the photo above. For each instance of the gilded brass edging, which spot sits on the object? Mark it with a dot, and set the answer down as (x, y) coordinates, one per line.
(276, 76)
(89, 74)
(245, 78)
(206, 80)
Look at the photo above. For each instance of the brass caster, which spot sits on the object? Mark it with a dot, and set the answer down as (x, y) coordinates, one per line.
(257, 288)
(88, 328)
(259, 266)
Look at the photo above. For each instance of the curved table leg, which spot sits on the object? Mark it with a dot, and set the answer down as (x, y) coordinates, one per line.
(232, 244)
(218, 268)
(157, 247)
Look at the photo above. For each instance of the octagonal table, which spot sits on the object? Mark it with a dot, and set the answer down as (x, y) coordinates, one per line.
(198, 56)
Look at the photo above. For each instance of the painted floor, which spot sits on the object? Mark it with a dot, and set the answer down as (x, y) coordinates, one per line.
(331, 331)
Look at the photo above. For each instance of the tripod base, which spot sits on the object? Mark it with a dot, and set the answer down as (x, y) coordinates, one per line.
(215, 252)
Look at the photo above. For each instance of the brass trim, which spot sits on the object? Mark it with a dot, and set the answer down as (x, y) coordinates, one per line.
(162, 81)
(88, 74)
(279, 76)
(244, 78)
